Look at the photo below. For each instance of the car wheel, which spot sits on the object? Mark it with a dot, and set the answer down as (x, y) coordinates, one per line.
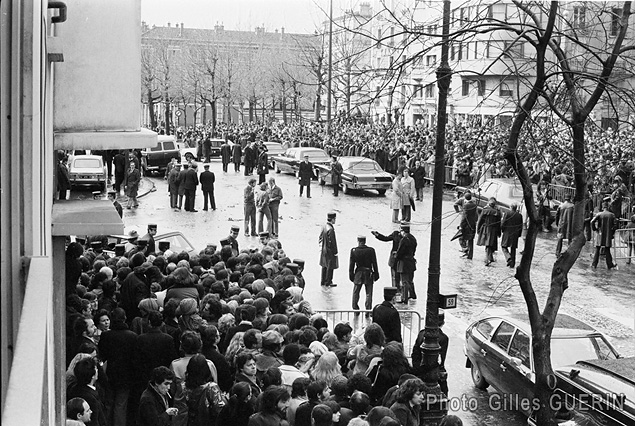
(381, 191)
(477, 378)
(345, 188)
(277, 169)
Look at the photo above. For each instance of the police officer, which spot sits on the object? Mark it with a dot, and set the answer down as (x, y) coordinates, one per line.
(233, 239)
(386, 316)
(363, 271)
(406, 262)
(152, 231)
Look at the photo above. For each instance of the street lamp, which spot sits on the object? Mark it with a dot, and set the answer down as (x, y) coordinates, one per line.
(436, 401)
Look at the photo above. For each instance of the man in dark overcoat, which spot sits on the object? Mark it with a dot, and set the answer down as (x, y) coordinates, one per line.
(120, 170)
(564, 222)
(489, 229)
(207, 180)
(363, 271)
(305, 174)
(63, 178)
(237, 153)
(469, 217)
(154, 348)
(174, 180)
(116, 347)
(225, 155)
(182, 175)
(262, 164)
(249, 159)
(395, 237)
(406, 262)
(149, 237)
(336, 175)
(512, 228)
(191, 182)
(604, 224)
(328, 257)
(386, 316)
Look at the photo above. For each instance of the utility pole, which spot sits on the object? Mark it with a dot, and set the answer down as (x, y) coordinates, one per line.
(328, 99)
(436, 402)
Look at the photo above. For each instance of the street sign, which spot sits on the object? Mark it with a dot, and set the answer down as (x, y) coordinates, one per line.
(447, 301)
(178, 113)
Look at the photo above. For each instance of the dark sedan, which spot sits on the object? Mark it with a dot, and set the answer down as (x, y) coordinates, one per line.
(498, 351)
(289, 162)
(358, 173)
(596, 392)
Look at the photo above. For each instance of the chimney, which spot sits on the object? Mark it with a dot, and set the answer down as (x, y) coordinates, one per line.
(169, 25)
(364, 9)
(181, 30)
(282, 30)
(276, 31)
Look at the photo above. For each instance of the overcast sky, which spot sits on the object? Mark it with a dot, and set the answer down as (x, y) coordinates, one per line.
(299, 16)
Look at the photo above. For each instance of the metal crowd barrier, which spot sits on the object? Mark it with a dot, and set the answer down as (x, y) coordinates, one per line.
(358, 320)
(624, 244)
(449, 176)
(558, 192)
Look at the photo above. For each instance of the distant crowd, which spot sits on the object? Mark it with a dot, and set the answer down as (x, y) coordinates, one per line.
(473, 148)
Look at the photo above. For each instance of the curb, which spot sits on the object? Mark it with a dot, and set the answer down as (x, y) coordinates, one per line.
(147, 182)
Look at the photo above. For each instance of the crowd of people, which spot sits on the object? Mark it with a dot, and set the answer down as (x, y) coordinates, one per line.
(473, 148)
(223, 337)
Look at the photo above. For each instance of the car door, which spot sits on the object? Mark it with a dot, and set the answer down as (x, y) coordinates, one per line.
(497, 359)
(519, 369)
(288, 157)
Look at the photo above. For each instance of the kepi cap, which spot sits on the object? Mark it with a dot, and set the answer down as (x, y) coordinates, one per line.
(390, 292)
(235, 228)
(331, 215)
(152, 226)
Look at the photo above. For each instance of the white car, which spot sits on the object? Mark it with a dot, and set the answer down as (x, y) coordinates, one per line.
(88, 170)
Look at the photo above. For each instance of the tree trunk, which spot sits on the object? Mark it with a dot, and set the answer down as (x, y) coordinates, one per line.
(213, 112)
(318, 105)
(168, 112)
(153, 117)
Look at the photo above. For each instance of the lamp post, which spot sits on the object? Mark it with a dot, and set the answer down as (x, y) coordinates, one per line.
(435, 400)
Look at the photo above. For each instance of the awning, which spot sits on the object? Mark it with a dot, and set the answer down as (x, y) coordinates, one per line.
(85, 217)
(142, 138)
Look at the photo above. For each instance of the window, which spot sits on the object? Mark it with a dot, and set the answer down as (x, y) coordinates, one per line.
(391, 42)
(487, 49)
(579, 17)
(463, 14)
(378, 63)
(476, 50)
(460, 52)
(432, 29)
(391, 60)
(378, 90)
(452, 52)
(480, 85)
(616, 15)
(378, 37)
(431, 60)
(418, 91)
(514, 49)
(520, 348)
(465, 88)
(430, 91)
(487, 326)
(503, 335)
(505, 90)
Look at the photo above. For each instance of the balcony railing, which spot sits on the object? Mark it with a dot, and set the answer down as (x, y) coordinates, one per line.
(30, 396)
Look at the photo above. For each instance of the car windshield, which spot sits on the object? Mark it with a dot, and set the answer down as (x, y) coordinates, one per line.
(168, 146)
(156, 148)
(87, 163)
(566, 351)
(177, 243)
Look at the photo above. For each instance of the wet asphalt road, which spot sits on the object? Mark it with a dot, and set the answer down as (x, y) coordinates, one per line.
(600, 297)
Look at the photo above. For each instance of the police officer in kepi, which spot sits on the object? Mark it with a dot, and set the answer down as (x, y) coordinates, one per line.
(363, 272)
(152, 231)
(387, 317)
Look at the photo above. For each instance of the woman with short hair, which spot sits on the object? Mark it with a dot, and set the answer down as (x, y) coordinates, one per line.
(409, 400)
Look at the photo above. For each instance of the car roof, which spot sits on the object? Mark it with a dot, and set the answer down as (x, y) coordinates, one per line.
(87, 156)
(564, 326)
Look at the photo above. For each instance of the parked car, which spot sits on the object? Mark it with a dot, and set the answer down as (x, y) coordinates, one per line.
(498, 352)
(506, 191)
(178, 241)
(596, 392)
(289, 162)
(88, 170)
(191, 153)
(157, 158)
(359, 173)
(273, 149)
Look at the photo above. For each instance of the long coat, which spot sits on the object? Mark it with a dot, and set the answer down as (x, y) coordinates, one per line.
(405, 256)
(191, 179)
(396, 202)
(469, 219)
(336, 173)
(174, 180)
(512, 228)
(117, 347)
(564, 219)
(152, 408)
(489, 227)
(407, 190)
(182, 175)
(363, 265)
(207, 179)
(604, 224)
(153, 349)
(328, 256)
(237, 152)
(387, 317)
(131, 182)
(225, 153)
(305, 173)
